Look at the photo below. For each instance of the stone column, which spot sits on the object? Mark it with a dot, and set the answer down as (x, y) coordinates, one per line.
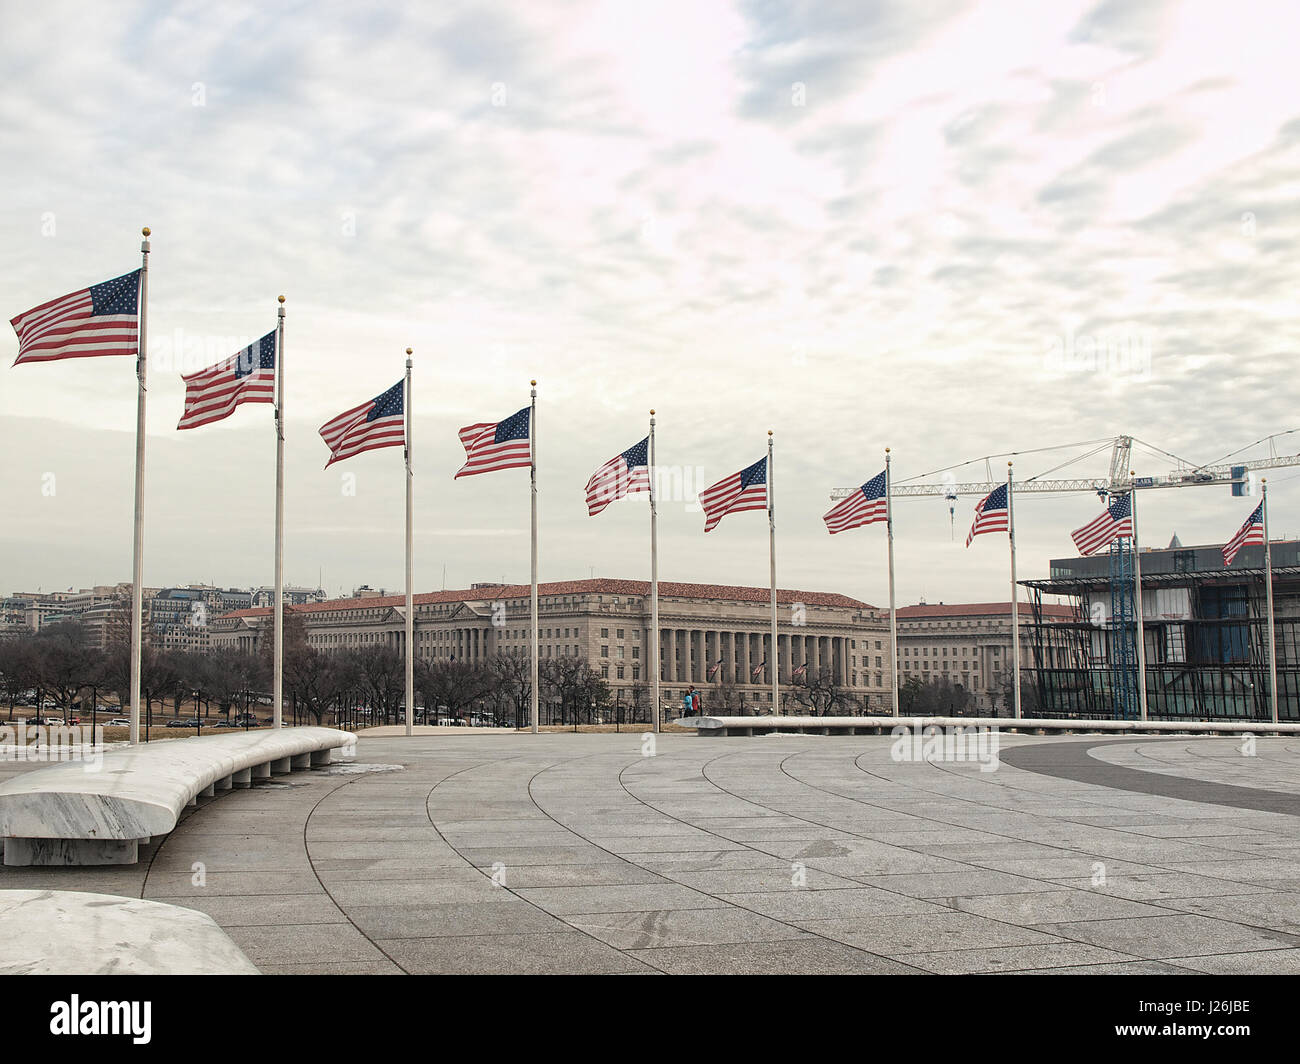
(742, 661)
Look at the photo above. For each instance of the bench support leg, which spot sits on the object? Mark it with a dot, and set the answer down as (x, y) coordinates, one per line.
(261, 772)
(23, 852)
(210, 791)
(224, 784)
(301, 761)
(281, 766)
(242, 777)
(322, 757)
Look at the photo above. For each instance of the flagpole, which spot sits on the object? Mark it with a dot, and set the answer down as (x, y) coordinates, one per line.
(137, 562)
(410, 598)
(1137, 581)
(1015, 594)
(893, 613)
(771, 535)
(278, 665)
(1268, 584)
(532, 465)
(654, 578)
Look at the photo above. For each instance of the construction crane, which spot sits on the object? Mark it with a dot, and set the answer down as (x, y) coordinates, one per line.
(1184, 474)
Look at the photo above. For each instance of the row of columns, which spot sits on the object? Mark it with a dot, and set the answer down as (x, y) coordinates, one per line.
(689, 654)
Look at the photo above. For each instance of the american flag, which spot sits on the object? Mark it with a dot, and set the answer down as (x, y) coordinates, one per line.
(991, 514)
(1252, 532)
(800, 670)
(757, 670)
(103, 319)
(1115, 521)
(490, 446)
(865, 506)
(716, 666)
(622, 475)
(378, 423)
(213, 393)
(746, 490)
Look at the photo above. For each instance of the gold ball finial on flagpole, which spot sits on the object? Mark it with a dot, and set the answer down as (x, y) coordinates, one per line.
(281, 298)
(769, 432)
(408, 350)
(886, 450)
(144, 231)
(652, 410)
(533, 383)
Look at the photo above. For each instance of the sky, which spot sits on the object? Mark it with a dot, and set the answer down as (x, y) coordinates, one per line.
(954, 229)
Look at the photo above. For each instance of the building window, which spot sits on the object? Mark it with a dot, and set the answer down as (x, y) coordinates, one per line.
(620, 633)
(604, 651)
(604, 633)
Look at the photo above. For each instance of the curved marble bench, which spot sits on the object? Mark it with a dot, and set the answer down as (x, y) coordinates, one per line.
(64, 932)
(83, 813)
(762, 725)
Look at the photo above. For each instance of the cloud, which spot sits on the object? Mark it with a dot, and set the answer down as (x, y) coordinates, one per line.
(631, 205)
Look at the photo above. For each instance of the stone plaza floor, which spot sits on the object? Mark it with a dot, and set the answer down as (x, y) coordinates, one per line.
(578, 853)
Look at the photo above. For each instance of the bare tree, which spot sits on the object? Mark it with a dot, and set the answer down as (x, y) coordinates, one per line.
(820, 692)
(458, 685)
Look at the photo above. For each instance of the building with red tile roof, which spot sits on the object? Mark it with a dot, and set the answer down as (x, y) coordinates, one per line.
(607, 621)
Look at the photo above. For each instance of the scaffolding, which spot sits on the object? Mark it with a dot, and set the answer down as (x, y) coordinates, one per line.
(1206, 643)
(1123, 631)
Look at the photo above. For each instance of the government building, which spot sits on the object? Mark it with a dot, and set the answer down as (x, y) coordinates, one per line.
(711, 636)
(970, 645)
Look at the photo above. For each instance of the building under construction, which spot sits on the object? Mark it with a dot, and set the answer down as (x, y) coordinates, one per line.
(1205, 630)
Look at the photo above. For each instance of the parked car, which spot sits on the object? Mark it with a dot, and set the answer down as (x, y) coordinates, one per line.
(52, 722)
(119, 722)
(179, 724)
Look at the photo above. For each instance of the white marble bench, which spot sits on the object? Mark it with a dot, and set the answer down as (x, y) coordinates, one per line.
(764, 725)
(77, 813)
(64, 932)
